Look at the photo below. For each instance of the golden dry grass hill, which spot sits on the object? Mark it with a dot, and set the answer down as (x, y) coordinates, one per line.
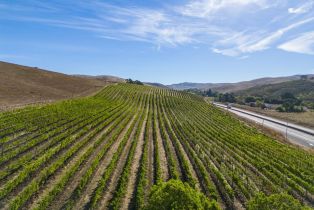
(23, 85)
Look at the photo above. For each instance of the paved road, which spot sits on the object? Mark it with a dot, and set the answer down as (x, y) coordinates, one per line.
(294, 133)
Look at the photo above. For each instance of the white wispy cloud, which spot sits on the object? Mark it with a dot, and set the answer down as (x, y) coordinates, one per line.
(304, 8)
(228, 27)
(302, 44)
(256, 42)
(207, 8)
(267, 41)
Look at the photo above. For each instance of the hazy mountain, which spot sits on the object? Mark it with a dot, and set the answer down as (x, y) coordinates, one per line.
(303, 89)
(234, 87)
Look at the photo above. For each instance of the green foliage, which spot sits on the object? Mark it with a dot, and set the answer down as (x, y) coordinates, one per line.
(250, 99)
(226, 97)
(290, 103)
(47, 149)
(204, 93)
(136, 82)
(175, 194)
(302, 90)
(280, 201)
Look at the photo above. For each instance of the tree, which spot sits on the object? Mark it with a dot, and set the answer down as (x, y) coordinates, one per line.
(137, 82)
(304, 77)
(287, 96)
(250, 99)
(210, 93)
(280, 201)
(227, 97)
(175, 194)
(290, 103)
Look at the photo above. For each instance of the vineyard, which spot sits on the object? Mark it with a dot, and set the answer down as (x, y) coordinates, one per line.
(108, 150)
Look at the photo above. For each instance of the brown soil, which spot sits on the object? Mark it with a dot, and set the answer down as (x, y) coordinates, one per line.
(58, 175)
(150, 161)
(185, 156)
(162, 155)
(91, 186)
(22, 85)
(116, 174)
(135, 167)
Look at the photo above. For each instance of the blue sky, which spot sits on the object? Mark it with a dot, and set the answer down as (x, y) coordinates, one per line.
(161, 41)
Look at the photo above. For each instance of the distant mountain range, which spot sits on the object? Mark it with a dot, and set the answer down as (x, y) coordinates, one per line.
(234, 87)
(22, 85)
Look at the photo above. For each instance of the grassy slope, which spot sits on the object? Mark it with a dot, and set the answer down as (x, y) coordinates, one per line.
(23, 85)
(304, 89)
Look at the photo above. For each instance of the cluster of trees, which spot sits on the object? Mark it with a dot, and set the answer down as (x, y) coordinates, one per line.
(220, 97)
(137, 82)
(287, 101)
(226, 97)
(204, 93)
(290, 103)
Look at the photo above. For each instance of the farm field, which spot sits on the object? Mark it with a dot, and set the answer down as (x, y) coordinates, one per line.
(107, 151)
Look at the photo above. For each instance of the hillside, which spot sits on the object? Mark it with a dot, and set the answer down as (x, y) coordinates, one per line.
(104, 78)
(108, 150)
(156, 85)
(24, 85)
(234, 87)
(303, 89)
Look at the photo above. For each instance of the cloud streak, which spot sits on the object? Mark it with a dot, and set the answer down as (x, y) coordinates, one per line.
(228, 27)
(304, 8)
(303, 44)
(208, 8)
(262, 44)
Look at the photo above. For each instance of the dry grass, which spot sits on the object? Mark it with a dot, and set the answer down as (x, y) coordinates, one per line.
(305, 119)
(21, 85)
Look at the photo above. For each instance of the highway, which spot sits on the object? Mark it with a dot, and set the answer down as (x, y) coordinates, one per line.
(294, 133)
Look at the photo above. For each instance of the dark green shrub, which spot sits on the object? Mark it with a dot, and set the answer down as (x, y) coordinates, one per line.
(175, 194)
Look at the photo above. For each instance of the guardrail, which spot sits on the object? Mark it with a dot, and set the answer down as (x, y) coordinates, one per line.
(270, 120)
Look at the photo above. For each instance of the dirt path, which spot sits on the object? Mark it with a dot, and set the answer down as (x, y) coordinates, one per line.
(185, 156)
(173, 152)
(162, 155)
(36, 174)
(151, 150)
(168, 142)
(72, 184)
(111, 186)
(29, 155)
(135, 167)
(59, 174)
(36, 151)
(91, 186)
